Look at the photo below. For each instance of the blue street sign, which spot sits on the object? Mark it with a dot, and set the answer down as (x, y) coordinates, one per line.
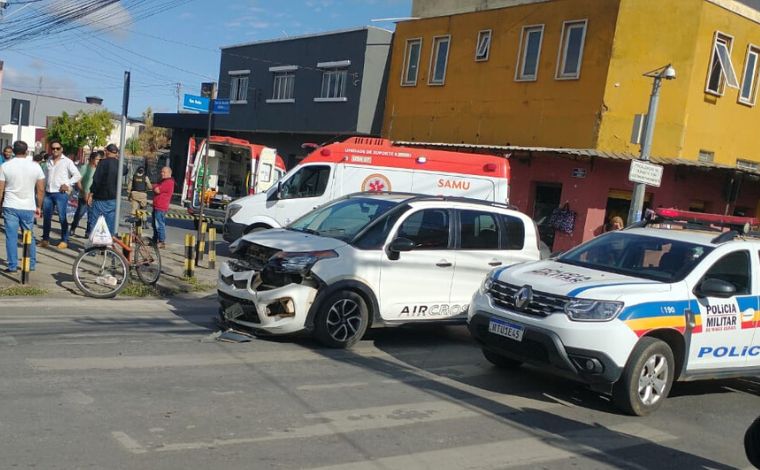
(221, 106)
(196, 103)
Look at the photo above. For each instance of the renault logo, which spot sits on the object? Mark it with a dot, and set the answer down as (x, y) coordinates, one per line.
(524, 297)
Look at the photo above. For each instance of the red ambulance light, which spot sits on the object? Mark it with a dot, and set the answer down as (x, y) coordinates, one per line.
(489, 167)
(326, 152)
(703, 217)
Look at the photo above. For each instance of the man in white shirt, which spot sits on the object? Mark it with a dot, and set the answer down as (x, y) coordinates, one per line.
(61, 175)
(20, 178)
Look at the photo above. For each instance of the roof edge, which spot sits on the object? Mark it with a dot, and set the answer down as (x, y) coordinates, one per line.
(306, 36)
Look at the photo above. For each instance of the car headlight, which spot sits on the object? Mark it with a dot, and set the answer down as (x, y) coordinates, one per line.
(233, 209)
(592, 310)
(298, 263)
(487, 283)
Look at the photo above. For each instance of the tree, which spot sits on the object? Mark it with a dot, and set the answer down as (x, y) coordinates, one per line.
(81, 129)
(152, 139)
(133, 146)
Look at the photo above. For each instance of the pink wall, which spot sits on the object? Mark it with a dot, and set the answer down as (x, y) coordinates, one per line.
(587, 196)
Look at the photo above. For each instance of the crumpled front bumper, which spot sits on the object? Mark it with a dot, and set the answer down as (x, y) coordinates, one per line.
(245, 301)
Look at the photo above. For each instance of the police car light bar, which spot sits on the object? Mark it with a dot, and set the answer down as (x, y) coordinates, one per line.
(675, 214)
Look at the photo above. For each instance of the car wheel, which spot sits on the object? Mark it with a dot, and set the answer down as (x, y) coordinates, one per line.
(502, 362)
(342, 320)
(752, 443)
(646, 379)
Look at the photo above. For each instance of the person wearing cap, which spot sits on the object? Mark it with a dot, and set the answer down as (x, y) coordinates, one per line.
(102, 196)
(137, 191)
(61, 175)
(22, 189)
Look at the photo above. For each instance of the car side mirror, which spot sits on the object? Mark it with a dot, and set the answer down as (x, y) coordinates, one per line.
(712, 287)
(399, 245)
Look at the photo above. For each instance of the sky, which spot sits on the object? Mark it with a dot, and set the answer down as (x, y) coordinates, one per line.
(180, 45)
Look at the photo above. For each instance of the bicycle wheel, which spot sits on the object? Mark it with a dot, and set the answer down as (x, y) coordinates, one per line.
(100, 272)
(147, 261)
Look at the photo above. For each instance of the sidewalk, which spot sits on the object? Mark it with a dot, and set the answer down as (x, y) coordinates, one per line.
(52, 277)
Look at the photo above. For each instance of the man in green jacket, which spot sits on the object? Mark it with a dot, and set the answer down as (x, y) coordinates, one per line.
(87, 170)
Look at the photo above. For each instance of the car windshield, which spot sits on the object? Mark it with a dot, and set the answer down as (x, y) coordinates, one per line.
(658, 259)
(342, 219)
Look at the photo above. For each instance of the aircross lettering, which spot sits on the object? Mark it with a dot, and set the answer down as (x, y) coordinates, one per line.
(435, 310)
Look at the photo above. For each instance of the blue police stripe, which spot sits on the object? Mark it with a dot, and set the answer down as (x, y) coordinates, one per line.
(654, 309)
(577, 291)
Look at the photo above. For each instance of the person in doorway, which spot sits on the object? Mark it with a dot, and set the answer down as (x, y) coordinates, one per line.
(61, 174)
(138, 190)
(7, 154)
(102, 196)
(87, 171)
(162, 196)
(20, 180)
(616, 223)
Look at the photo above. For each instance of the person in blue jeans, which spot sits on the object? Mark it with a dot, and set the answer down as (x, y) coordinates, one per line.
(102, 195)
(20, 179)
(61, 175)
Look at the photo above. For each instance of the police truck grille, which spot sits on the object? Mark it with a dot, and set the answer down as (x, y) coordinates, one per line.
(543, 304)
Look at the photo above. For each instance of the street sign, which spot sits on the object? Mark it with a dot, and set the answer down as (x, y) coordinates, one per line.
(221, 106)
(196, 103)
(646, 173)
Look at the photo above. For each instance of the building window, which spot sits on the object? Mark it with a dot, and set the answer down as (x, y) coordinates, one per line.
(239, 86)
(483, 46)
(334, 78)
(571, 49)
(439, 60)
(411, 62)
(748, 93)
(530, 53)
(284, 83)
(721, 68)
(706, 156)
(20, 112)
(747, 165)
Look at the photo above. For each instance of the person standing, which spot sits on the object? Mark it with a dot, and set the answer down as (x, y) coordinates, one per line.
(162, 196)
(61, 174)
(7, 154)
(137, 191)
(20, 178)
(102, 196)
(87, 171)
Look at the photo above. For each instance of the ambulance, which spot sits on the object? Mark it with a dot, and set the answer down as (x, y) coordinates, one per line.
(236, 168)
(674, 298)
(367, 164)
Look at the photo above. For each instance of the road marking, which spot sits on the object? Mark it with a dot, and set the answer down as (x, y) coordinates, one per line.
(530, 451)
(317, 387)
(128, 443)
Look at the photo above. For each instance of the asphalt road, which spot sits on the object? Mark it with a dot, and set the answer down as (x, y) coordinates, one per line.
(140, 384)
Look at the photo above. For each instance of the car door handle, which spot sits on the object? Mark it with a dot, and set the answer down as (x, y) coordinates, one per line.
(443, 264)
(495, 263)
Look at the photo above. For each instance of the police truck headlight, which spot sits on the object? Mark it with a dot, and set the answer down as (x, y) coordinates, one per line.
(233, 209)
(592, 310)
(487, 284)
(298, 263)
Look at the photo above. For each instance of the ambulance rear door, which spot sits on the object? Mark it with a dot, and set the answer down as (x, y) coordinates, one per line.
(264, 169)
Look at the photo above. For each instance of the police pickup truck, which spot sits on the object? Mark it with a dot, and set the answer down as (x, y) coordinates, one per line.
(674, 297)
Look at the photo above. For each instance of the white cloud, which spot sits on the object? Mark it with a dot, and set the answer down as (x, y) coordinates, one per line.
(22, 80)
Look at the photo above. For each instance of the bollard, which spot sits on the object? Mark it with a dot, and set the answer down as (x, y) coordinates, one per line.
(201, 248)
(139, 223)
(26, 260)
(212, 247)
(189, 259)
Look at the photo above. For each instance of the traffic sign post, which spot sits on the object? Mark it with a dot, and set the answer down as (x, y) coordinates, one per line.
(221, 107)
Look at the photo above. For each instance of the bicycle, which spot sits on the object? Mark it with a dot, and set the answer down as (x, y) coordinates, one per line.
(103, 271)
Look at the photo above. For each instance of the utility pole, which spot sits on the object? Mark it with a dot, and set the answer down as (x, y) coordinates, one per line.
(637, 198)
(204, 181)
(178, 92)
(20, 113)
(123, 138)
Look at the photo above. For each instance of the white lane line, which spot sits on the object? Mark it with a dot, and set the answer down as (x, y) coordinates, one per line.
(530, 451)
(128, 443)
(346, 421)
(317, 387)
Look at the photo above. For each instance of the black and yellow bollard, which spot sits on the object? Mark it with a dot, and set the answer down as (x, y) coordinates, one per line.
(189, 258)
(26, 260)
(212, 247)
(201, 248)
(126, 239)
(139, 223)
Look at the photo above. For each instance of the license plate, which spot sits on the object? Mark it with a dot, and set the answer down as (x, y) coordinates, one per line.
(506, 329)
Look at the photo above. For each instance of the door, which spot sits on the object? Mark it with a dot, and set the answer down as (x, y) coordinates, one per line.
(486, 240)
(546, 201)
(188, 186)
(302, 192)
(264, 170)
(417, 285)
(717, 336)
